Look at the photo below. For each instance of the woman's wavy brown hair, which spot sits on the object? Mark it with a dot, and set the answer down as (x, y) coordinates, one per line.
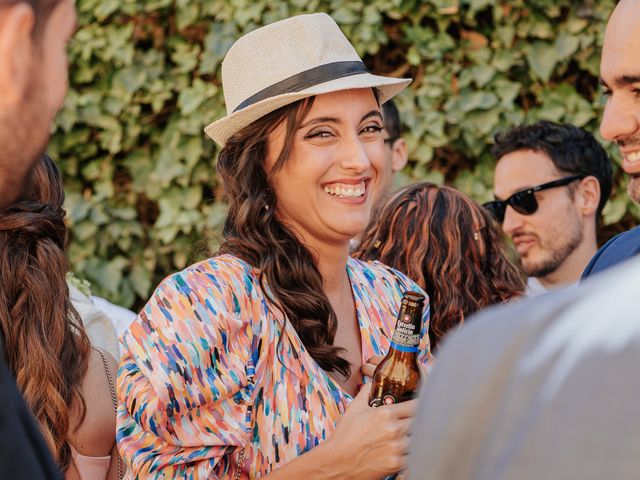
(450, 246)
(44, 341)
(253, 233)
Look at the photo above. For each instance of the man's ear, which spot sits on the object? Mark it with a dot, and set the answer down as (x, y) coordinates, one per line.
(16, 50)
(588, 195)
(400, 155)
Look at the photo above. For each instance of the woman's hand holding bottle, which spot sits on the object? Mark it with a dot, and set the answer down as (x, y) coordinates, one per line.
(371, 443)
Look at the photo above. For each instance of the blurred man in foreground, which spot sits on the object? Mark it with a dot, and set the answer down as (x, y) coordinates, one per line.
(546, 388)
(33, 83)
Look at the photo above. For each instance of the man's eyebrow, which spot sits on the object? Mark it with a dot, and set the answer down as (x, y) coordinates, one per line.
(519, 190)
(622, 81)
(626, 80)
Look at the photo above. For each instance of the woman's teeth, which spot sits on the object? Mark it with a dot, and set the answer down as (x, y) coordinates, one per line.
(345, 192)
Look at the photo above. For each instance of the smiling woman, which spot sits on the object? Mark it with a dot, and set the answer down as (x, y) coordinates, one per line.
(249, 363)
(336, 161)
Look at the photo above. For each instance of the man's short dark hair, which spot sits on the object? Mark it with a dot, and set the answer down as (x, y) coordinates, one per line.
(391, 118)
(41, 9)
(571, 149)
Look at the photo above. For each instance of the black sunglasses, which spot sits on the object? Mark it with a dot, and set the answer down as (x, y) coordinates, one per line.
(524, 201)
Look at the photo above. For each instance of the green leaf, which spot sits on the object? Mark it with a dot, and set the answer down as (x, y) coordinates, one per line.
(345, 16)
(477, 101)
(507, 91)
(413, 57)
(483, 122)
(192, 97)
(482, 74)
(108, 274)
(614, 210)
(140, 280)
(187, 14)
(105, 8)
(542, 58)
(477, 5)
(566, 45)
(131, 78)
(216, 44)
(85, 230)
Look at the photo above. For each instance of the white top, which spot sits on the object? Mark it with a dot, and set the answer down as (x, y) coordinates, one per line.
(120, 317)
(102, 320)
(96, 323)
(542, 388)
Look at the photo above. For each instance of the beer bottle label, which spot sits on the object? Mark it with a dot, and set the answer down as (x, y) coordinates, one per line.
(406, 336)
(386, 399)
(390, 399)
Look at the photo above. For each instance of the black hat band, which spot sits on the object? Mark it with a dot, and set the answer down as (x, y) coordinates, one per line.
(306, 79)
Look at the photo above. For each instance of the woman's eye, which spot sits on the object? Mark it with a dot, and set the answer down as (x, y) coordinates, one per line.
(372, 129)
(606, 92)
(318, 134)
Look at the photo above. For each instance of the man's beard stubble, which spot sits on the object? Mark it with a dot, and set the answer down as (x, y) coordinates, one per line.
(573, 238)
(633, 185)
(633, 188)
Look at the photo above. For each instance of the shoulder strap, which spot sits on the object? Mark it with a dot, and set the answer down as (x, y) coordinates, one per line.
(112, 388)
(107, 371)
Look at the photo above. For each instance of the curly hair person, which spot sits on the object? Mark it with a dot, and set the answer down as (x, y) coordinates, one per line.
(447, 244)
(45, 344)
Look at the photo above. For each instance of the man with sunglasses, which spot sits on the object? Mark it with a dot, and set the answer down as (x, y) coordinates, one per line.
(551, 183)
(548, 388)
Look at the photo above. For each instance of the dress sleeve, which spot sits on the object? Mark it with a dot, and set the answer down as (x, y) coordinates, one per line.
(185, 381)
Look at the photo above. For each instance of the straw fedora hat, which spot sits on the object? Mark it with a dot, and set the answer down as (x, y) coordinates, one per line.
(286, 61)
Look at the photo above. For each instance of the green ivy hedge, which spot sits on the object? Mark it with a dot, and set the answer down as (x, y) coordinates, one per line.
(142, 193)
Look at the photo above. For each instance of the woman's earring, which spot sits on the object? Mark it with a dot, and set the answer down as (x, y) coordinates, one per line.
(265, 196)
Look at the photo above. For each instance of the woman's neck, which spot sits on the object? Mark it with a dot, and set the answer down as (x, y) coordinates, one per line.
(332, 264)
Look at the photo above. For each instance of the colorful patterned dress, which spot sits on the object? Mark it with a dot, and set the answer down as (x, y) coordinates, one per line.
(208, 370)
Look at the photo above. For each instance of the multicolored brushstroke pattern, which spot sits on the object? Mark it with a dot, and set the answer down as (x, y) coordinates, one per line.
(207, 369)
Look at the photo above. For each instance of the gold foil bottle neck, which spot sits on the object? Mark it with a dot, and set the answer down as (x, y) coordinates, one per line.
(413, 299)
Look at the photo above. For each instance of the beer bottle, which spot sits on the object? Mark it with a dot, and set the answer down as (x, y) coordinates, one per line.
(397, 377)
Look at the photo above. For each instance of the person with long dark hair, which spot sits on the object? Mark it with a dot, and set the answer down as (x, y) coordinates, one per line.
(65, 383)
(249, 363)
(450, 246)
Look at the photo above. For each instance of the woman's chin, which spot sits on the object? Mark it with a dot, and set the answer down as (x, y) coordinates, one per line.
(352, 234)
(350, 226)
